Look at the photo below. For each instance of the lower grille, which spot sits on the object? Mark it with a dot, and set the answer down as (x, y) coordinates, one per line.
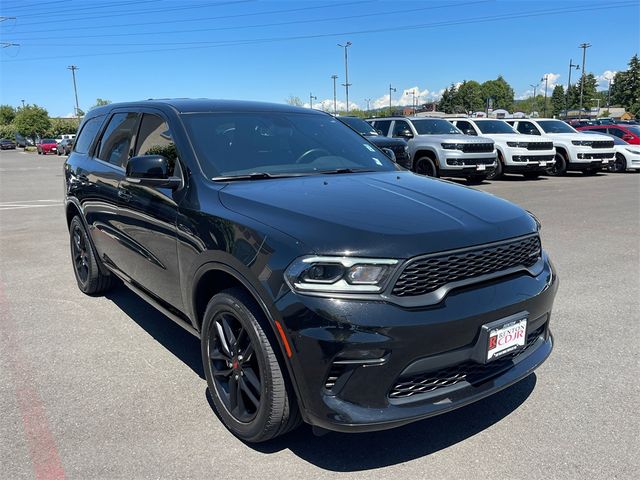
(470, 161)
(469, 371)
(477, 147)
(597, 155)
(533, 158)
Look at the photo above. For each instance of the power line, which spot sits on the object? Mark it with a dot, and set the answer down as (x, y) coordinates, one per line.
(72, 11)
(227, 43)
(292, 22)
(31, 5)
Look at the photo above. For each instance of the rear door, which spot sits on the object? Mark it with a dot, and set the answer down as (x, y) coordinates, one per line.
(147, 217)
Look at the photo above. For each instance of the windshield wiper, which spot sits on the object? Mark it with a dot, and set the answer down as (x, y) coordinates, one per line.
(345, 170)
(256, 176)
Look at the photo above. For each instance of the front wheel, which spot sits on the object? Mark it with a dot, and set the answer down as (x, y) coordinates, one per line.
(426, 166)
(247, 385)
(496, 172)
(620, 164)
(559, 167)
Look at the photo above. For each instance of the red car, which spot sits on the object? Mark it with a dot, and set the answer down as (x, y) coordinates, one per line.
(47, 145)
(628, 133)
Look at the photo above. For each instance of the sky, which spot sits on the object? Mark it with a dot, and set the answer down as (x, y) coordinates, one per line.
(269, 50)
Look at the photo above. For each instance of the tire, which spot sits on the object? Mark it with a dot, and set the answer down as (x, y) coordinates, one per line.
(263, 405)
(559, 168)
(426, 166)
(531, 175)
(39, 152)
(91, 280)
(476, 179)
(619, 165)
(496, 172)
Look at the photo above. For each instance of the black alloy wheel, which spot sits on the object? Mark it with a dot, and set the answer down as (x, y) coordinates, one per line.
(559, 167)
(426, 166)
(619, 165)
(80, 254)
(85, 265)
(498, 171)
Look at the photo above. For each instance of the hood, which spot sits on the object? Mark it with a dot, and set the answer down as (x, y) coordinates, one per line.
(386, 214)
(514, 137)
(382, 141)
(575, 136)
(454, 138)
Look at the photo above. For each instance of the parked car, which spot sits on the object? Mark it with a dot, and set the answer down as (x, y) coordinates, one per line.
(627, 156)
(437, 148)
(64, 146)
(46, 145)
(628, 133)
(516, 153)
(7, 144)
(398, 146)
(324, 282)
(574, 151)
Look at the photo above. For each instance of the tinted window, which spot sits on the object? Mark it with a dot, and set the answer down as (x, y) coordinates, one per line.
(230, 144)
(618, 132)
(358, 125)
(466, 127)
(634, 129)
(382, 125)
(435, 126)
(154, 138)
(400, 126)
(116, 139)
(528, 128)
(555, 126)
(87, 134)
(494, 126)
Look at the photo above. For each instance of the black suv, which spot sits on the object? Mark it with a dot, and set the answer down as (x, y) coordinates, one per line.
(325, 284)
(398, 146)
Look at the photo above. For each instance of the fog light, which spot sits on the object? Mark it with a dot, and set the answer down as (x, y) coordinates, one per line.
(581, 155)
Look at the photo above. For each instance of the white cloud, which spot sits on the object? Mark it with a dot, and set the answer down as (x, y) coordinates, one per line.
(70, 115)
(603, 80)
(552, 81)
(405, 98)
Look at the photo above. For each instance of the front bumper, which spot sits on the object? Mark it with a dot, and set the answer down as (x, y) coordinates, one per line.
(348, 355)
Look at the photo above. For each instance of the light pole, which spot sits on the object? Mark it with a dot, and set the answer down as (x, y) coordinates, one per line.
(584, 47)
(546, 83)
(413, 100)
(609, 93)
(73, 69)
(311, 99)
(566, 97)
(335, 102)
(391, 89)
(346, 83)
(22, 102)
(533, 104)
(368, 100)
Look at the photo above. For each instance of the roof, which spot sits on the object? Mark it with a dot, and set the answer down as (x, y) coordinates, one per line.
(195, 105)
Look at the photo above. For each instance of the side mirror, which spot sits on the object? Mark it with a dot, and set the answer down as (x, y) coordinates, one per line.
(405, 134)
(379, 132)
(151, 171)
(469, 131)
(389, 153)
(627, 136)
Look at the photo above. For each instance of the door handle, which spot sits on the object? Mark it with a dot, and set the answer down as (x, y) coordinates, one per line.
(124, 195)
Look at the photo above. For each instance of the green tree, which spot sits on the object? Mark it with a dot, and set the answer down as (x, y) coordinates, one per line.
(447, 101)
(469, 96)
(7, 114)
(557, 100)
(32, 121)
(625, 90)
(8, 131)
(100, 102)
(500, 91)
(295, 101)
(60, 126)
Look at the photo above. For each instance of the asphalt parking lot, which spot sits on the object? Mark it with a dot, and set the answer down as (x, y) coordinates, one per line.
(110, 388)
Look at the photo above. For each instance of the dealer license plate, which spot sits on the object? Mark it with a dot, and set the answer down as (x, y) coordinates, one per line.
(543, 164)
(506, 339)
(482, 166)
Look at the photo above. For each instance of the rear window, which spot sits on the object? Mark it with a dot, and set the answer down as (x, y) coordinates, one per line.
(87, 134)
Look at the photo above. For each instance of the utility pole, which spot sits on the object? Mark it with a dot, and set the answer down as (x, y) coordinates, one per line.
(609, 93)
(335, 101)
(598, 107)
(311, 99)
(368, 100)
(533, 104)
(73, 69)
(346, 83)
(584, 47)
(546, 83)
(566, 97)
(413, 100)
(22, 102)
(391, 89)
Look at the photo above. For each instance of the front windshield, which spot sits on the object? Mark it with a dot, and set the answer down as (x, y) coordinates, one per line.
(279, 143)
(48, 140)
(435, 126)
(494, 126)
(358, 125)
(555, 126)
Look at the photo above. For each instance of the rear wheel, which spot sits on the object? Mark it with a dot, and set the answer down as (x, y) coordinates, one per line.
(620, 164)
(426, 166)
(246, 383)
(85, 264)
(559, 167)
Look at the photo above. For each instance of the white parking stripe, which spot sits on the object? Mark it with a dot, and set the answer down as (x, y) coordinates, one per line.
(16, 207)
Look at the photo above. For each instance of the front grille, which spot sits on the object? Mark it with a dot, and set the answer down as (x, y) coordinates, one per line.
(477, 147)
(602, 144)
(540, 146)
(469, 371)
(424, 275)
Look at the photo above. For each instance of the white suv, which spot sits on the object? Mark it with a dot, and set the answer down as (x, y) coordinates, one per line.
(516, 153)
(585, 152)
(437, 148)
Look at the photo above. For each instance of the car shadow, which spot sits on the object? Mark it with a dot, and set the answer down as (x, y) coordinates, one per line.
(165, 331)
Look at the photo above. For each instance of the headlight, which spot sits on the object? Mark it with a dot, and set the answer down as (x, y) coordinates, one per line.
(518, 144)
(635, 152)
(452, 146)
(339, 274)
(584, 143)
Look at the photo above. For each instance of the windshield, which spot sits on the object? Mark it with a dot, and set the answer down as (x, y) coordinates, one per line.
(555, 126)
(435, 126)
(635, 129)
(279, 143)
(48, 140)
(358, 125)
(494, 126)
